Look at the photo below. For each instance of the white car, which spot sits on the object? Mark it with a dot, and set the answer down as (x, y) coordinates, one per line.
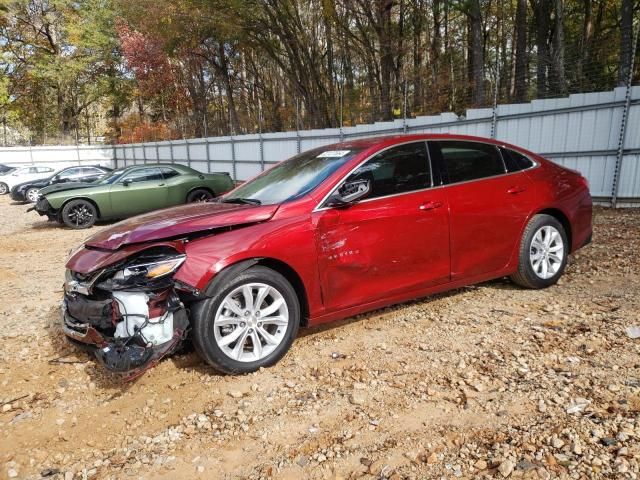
(23, 174)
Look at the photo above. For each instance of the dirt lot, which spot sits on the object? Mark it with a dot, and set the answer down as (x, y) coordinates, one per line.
(490, 380)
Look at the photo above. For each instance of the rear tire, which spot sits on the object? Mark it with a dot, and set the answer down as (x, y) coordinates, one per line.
(544, 249)
(250, 322)
(199, 195)
(4, 188)
(79, 214)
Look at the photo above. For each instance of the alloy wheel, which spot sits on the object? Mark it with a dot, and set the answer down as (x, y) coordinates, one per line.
(3, 188)
(546, 252)
(32, 195)
(80, 215)
(251, 322)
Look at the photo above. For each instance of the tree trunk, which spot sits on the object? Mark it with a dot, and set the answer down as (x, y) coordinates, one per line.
(477, 52)
(626, 40)
(559, 78)
(417, 20)
(521, 52)
(542, 11)
(386, 56)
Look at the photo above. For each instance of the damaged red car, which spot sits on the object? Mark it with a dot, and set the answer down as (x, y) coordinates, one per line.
(332, 232)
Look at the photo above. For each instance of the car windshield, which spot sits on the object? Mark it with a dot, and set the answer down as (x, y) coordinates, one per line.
(292, 178)
(111, 177)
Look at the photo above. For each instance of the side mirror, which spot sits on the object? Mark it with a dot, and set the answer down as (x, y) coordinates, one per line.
(349, 193)
(126, 183)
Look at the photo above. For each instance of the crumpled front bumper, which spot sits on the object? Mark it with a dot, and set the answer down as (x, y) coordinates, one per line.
(119, 355)
(43, 207)
(17, 195)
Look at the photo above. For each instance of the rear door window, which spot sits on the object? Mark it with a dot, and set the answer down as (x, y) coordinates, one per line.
(400, 169)
(465, 161)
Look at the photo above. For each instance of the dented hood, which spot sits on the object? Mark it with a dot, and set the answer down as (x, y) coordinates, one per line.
(177, 221)
(61, 187)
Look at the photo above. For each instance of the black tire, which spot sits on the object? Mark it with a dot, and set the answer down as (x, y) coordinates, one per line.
(4, 188)
(199, 195)
(31, 193)
(526, 275)
(203, 314)
(79, 214)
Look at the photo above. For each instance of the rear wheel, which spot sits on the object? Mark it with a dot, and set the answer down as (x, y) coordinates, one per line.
(543, 253)
(32, 194)
(79, 214)
(4, 188)
(199, 195)
(248, 323)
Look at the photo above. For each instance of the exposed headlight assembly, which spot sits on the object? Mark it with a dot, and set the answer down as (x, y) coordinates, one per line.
(151, 270)
(144, 272)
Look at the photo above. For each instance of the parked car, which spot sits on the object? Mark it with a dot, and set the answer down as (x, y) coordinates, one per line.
(28, 191)
(22, 174)
(330, 233)
(129, 191)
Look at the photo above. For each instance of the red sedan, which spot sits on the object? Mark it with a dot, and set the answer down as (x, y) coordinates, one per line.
(330, 233)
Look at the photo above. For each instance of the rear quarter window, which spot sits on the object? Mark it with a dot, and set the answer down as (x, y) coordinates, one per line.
(516, 161)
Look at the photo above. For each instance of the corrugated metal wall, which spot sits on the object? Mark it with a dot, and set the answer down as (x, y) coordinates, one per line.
(581, 131)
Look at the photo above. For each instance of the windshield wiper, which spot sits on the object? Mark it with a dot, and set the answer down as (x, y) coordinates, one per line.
(247, 201)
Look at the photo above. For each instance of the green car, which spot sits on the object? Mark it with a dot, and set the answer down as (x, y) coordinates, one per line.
(129, 191)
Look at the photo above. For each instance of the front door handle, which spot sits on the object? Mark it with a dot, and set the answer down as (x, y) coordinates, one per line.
(516, 190)
(430, 205)
(161, 184)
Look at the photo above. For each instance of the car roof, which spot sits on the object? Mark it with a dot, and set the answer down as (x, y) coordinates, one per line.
(389, 140)
(177, 166)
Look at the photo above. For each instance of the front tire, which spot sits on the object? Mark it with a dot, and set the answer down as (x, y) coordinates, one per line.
(79, 214)
(32, 194)
(250, 322)
(199, 195)
(543, 253)
(4, 188)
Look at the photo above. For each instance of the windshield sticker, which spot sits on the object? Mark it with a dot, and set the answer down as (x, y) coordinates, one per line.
(333, 154)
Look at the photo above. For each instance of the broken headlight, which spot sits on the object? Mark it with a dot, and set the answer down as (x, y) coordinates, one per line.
(151, 270)
(144, 272)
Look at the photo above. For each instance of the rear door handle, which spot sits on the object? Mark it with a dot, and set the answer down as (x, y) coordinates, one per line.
(161, 184)
(430, 205)
(516, 190)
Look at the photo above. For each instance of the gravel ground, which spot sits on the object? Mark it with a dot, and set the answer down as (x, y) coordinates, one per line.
(485, 381)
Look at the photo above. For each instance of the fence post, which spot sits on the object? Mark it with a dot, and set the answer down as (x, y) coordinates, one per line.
(30, 150)
(114, 152)
(144, 153)
(623, 123)
(171, 150)
(494, 113)
(233, 159)
(404, 109)
(260, 139)
(157, 152)
(341, 111)
(186, 142)
(297, 125)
